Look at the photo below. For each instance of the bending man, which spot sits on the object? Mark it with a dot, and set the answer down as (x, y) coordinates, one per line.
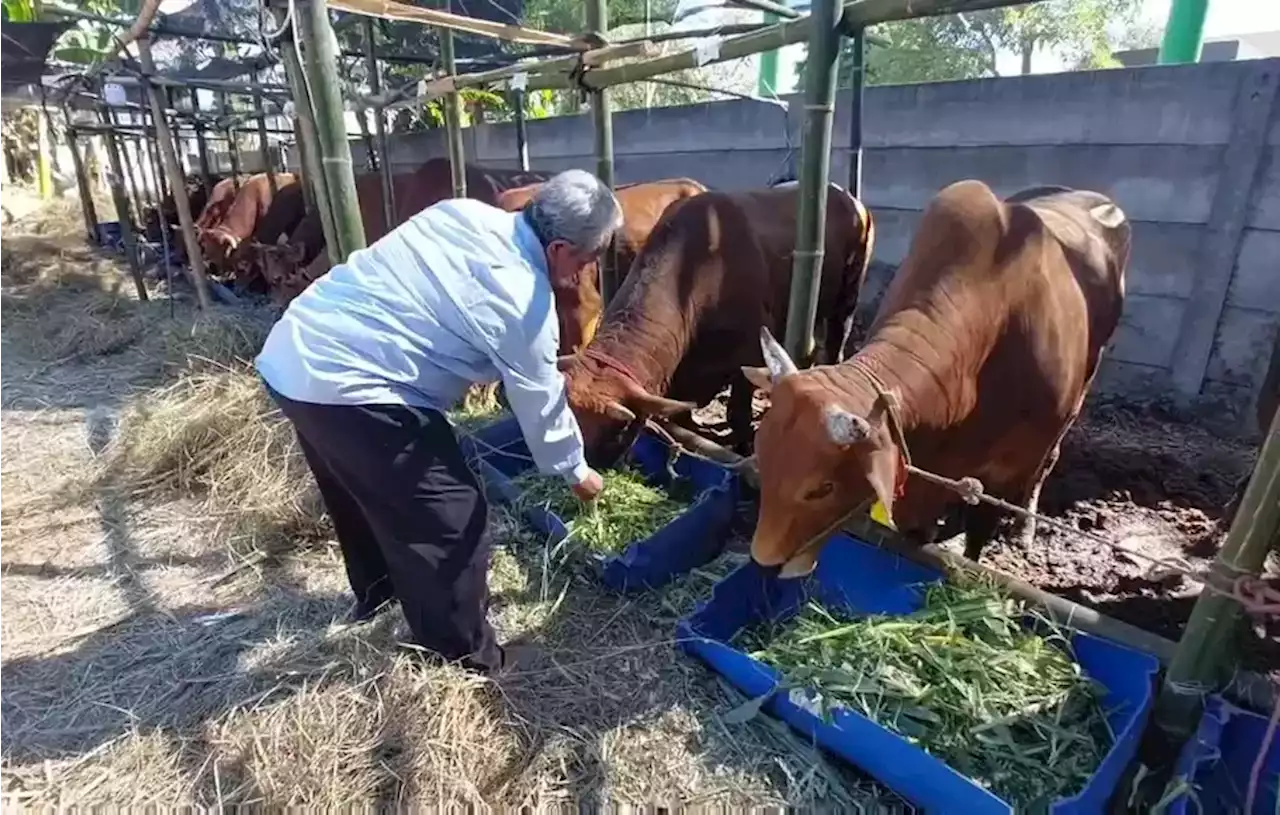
(367, 358)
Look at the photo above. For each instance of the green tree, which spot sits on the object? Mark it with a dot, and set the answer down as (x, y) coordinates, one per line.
(1083, 33)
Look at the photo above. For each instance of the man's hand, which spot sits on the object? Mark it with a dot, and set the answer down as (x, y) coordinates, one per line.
(590, 487)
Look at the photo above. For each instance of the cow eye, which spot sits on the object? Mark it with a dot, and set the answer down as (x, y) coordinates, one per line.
(819, 492)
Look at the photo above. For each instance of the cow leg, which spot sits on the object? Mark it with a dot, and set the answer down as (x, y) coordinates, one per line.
(1027, 533)
(980, 523)
(739, 414)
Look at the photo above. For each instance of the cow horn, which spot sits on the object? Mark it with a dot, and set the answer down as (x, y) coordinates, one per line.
(845, 428)
(619, 411)
(565, 360)
(775, 356)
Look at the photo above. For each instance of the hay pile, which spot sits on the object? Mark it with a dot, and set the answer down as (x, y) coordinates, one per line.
(216, 434)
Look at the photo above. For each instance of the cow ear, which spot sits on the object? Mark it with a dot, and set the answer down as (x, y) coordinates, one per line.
(775, 356)
(882, 474)
(845, 428)
(758, 377)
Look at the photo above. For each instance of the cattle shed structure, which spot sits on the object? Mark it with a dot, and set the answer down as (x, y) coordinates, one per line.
(1199, 179)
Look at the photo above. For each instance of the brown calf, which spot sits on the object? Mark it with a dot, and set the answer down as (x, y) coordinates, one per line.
(714, 271)
(977, 364)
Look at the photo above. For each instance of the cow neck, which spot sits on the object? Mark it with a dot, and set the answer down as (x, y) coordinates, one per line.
(625, 354)
(922, 396)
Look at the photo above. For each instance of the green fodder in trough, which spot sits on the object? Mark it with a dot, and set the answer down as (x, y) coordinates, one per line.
(629, 509)
(962, 678)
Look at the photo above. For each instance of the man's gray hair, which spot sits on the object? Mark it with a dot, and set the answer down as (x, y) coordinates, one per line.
(576, 207)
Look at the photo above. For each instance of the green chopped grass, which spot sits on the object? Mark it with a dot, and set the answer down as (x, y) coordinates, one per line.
(962, 678)
(628, 509)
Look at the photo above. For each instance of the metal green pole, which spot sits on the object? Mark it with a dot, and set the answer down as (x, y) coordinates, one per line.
(1184, 32)
(601, 115)
(767, 84)
(264, 146)
(380, 127)
(522, 130)
(308, 140)
(320, 72)
(116, 180)
(815, 172)
(233, 149)
(453, 118)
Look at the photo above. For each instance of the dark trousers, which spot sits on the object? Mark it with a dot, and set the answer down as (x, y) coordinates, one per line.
(410, 518)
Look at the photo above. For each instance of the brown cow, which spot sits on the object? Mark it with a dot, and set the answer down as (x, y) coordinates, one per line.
(643, 204)
(977, 364)
(280, 219)
(219, 201)
(413, 191)
(220, 239)
(715, 270)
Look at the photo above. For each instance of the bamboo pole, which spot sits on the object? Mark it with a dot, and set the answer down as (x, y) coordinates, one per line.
(115, 178)
(202, 144)
(446, 21)
(453, 119)
(597, 20)
(82, 181)
(522, 130)
(857, 13)
(320, 73)
(1210, 640)
(380, 127)
(233, 150)
(308, 140)
(130, 177)
(815, 176)
(264, 146)
(195, 260)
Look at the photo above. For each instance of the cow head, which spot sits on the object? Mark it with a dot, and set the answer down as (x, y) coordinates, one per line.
(823, 454)
(280, 261)
(610, 405)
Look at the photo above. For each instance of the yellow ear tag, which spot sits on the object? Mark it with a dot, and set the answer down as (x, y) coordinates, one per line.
(882, 516)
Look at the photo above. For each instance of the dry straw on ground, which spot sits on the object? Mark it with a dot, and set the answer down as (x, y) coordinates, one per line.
(146, 664)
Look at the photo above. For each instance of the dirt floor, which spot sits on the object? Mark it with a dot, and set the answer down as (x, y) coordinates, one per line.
(147, 660)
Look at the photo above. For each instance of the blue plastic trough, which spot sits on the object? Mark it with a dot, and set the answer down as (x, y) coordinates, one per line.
(1219, 760)
(691, 540)
(110, 236)
(858, 577)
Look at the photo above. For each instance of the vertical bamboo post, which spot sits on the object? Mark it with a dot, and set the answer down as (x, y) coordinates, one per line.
(598, 23)
(815, 173)
(308, 139)
(1209, 641)
(522, 130)
(264, 146)
(82, 181)
(380, 126)
(320, 72)
(130, 178)
(859, 43)
(195, 261)
(156, 163)
(453, 118)
(115, 178)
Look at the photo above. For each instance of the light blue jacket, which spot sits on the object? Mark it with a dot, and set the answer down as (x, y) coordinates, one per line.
(459, 294)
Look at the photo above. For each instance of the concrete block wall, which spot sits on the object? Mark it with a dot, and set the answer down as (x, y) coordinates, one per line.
(1191, 153)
